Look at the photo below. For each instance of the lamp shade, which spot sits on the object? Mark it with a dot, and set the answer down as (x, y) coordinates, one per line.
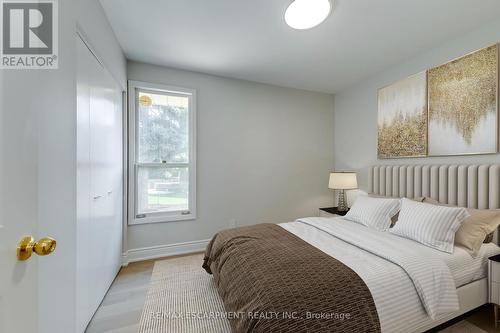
(343, 181)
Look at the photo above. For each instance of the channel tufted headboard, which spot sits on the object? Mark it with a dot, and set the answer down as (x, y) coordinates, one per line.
(472, 186)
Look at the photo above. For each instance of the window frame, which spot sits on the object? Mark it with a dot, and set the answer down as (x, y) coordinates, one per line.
(134, 165)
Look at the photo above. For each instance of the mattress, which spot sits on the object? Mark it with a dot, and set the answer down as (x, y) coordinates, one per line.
(398, 304)
(466, 269)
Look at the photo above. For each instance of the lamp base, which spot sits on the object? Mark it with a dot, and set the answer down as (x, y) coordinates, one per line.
(342, 203)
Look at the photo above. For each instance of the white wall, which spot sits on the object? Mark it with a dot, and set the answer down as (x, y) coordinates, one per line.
(264, 154)
(355, 110)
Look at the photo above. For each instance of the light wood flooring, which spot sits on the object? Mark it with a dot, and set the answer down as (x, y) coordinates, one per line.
(121, 309)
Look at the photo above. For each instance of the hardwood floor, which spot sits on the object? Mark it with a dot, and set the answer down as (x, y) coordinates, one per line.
(484, 319)
(121, 309)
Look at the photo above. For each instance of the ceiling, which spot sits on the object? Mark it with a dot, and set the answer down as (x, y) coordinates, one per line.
(248, 39)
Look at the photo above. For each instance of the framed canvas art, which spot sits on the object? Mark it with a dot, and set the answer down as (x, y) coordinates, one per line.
(402, 118)
(463, 105)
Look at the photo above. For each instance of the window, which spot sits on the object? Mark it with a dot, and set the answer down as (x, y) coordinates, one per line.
(162, 170)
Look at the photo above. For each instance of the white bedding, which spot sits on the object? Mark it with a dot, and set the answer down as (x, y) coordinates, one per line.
(399, 305)
(466, 269)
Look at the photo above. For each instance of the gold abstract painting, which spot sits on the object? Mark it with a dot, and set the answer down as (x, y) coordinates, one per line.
(463, 115)
(402, 118)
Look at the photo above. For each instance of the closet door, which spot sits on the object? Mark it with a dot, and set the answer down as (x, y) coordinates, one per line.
(105, 170)
(83, 261)
(99, 183)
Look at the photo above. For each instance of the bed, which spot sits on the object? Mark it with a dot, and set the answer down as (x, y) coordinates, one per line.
(388, 283)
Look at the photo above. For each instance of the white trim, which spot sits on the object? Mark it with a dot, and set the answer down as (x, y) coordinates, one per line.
(163, 218)
(125, 259)
(190, 214)
(125, 171)
(161, 251)
(161, 87)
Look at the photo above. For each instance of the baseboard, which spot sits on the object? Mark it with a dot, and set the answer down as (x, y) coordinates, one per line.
(161, 251)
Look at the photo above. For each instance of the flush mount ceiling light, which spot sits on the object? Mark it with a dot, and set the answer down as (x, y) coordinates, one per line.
(306, 14)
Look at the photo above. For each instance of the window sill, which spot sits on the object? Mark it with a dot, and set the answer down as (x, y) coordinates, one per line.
(162, 219)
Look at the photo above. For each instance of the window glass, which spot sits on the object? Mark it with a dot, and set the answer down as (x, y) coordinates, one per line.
(161, 189)
(162, 128)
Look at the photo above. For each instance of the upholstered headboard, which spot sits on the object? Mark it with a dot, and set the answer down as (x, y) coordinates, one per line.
(472, 186)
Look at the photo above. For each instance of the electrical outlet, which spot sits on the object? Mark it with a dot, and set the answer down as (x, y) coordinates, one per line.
(232, 223)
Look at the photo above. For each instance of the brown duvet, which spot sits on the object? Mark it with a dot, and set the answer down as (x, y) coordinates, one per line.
(272, 281)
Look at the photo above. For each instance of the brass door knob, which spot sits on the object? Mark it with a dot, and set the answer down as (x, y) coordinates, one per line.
(27, 245)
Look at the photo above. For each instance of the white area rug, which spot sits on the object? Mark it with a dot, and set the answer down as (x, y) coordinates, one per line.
(182, 298)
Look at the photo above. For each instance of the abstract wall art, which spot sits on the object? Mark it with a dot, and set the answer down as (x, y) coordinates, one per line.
(402, 118)
(451, 109)
(463, 105)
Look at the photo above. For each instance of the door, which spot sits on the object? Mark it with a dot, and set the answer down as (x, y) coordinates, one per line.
(37, 194)
(38, 186)
(18, 202)
(99, 183)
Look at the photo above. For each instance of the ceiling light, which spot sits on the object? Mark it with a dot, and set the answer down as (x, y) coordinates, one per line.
(305, 14)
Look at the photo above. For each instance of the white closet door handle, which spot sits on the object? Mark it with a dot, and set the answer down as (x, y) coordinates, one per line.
(97, 197)
(110, 192)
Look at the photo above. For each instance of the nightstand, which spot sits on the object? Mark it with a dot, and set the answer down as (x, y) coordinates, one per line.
(330, 212)
(494, 284)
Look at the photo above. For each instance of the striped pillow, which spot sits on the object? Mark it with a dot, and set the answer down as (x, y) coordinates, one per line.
(431, 225)
(477, 229)
(373, 212)
(394, 219)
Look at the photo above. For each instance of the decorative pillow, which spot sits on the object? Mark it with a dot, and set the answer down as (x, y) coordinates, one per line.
(394, 219)
(373, 212)
(475, 230)
(431, 225)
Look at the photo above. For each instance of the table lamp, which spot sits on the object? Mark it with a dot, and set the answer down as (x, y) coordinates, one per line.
(342, 181)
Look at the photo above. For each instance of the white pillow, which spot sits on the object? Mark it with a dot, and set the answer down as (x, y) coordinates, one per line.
(374, 212)
(431, 225)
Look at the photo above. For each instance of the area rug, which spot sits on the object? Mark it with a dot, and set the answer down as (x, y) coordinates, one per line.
(182, 297)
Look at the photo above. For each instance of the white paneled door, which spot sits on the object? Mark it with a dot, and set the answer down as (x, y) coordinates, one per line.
(99, 183)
